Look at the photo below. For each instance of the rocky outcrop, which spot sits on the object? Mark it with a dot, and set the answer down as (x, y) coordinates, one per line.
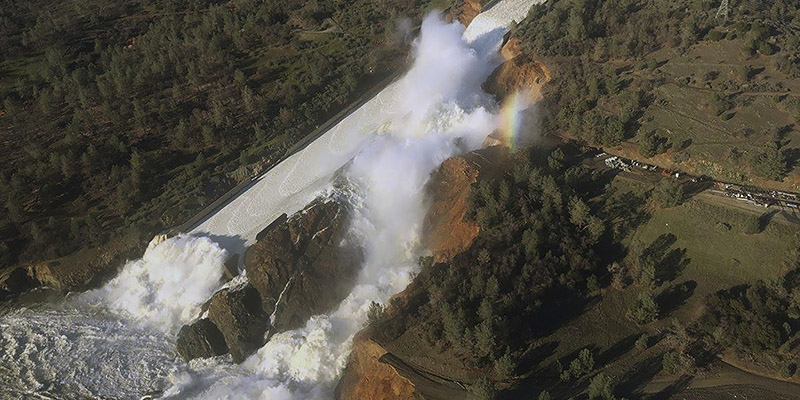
(447, 233)
(516, 73)
(306, 266)
(299, 267)
(368, 378)
(82, 270)
(200, 339)
(373, 371)
(238, 314)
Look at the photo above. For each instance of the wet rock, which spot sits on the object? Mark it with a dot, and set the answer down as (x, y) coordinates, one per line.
(231, 267)
(305, 266)
(238, 314)
(200, 339)
(300, 266)
(85, 269)
(16, 281)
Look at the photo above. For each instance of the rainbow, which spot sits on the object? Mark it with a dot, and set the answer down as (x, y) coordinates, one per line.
(511, 116)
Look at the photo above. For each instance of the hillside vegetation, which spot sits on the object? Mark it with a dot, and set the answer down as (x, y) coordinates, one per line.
(677, 82)
(135, 114)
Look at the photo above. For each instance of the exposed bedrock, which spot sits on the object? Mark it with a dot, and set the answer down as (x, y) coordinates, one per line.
(239, 316)
(201, 339)
(375, 371)
(300, 266)
(307, 266)
(82, 270)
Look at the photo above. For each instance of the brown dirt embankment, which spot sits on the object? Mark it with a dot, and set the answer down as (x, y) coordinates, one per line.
(371, 373)
(466, 12)
(518, 73)
(367, 378)
(446, 232)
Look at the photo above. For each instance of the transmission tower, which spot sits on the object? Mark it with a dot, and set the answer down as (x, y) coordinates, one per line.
(722, 11)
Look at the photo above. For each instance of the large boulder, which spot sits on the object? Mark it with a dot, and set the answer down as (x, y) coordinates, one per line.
(306, 266)
(238, 314)
(300, 266)
(200, 339)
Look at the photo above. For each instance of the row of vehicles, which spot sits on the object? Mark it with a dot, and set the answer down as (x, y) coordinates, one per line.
(750, 194)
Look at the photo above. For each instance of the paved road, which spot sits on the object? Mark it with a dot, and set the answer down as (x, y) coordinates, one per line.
(723, 375)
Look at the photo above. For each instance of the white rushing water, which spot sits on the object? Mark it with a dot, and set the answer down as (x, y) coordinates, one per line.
(118, 341)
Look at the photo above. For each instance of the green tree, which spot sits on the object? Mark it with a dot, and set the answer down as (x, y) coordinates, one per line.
(601, 387)
(643, 342)
(483, 389)
(545, 395)
(651, 143)
(504, 366)
(770, 162)
(645, 310)
(613, 132)
(375, 312)
(668, 193)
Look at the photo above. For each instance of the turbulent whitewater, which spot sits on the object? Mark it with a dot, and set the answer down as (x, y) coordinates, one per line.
(118, 341)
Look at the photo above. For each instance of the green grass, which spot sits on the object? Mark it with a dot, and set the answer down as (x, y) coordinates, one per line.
(718, 255)
(718, 145)
(718, 259)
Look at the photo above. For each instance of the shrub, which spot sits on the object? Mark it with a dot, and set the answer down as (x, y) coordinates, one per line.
(483, 389)
(675, 362)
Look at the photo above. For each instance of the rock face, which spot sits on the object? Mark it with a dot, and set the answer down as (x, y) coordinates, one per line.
(238, 314)
(375, 373)
(306, 266)
(367, 378)
(300, 266)
(446, 231)
(201, 339)
(82, 270)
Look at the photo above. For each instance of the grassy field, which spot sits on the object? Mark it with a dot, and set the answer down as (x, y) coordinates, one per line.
(719, 145)
(684, 109)
(710, 252)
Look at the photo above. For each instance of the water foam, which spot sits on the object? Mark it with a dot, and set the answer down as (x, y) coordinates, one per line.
(168, 285)
(103, 343)
(444, 112)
